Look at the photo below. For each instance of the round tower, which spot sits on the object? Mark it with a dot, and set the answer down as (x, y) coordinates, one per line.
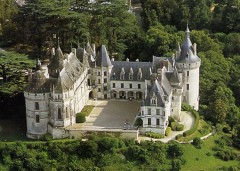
(188, 63)
(37, 104)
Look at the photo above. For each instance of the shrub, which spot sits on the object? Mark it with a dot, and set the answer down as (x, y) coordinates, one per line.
(168, 131)
(47, 137)
(173, 126)
(170, 120)
(80, 118)
(197, 142)
(179, 127)
(178, 136)
(195, 125)
(226, 155)
(225, 130)
(154, 135)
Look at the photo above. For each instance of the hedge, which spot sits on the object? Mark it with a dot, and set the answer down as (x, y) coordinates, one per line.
(195, 125)
(179, 127)
(80, 118)
(168, 131)
(154, 135)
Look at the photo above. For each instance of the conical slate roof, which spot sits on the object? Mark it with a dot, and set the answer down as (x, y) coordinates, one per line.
(57, 61)
(187, 51)
(38, 83)
(103, 58)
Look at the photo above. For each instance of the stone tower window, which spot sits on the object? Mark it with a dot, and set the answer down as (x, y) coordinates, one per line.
(67, 113)
(59, 114)
(187, 86)
(36, 105)
(37, 119)
(188, 73)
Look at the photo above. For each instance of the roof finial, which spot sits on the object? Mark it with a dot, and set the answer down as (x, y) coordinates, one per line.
(187, 30)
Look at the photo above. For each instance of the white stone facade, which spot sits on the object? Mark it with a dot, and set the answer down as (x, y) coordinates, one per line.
(162, 85)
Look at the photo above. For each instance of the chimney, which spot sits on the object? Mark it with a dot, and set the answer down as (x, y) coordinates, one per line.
(74, 51)
(112, 59)
(137, 60)
(127, 60)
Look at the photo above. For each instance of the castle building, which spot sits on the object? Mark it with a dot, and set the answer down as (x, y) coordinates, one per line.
(55, 96)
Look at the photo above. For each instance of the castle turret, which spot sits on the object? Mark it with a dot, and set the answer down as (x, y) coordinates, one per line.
(37, 104)
(188, 63)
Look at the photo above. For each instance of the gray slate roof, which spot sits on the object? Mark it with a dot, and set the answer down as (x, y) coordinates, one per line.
(103, 58)
(187, 52)
(38, 83)
(155, 90)
(118, 65)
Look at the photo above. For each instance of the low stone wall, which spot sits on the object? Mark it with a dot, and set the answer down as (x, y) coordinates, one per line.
(81, 133)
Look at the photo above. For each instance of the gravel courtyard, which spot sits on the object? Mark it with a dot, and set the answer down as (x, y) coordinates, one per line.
(112, 113)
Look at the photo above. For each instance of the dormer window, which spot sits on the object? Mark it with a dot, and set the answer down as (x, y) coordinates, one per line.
(153, 101)
(122, 74)
(131, 74)
(139, 74)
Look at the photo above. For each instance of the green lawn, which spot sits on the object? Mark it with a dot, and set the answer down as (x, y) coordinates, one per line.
(198, 160)
(87, 110)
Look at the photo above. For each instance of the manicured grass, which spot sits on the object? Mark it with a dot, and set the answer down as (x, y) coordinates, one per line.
(203, 129)
(204, 158)
(87, 110)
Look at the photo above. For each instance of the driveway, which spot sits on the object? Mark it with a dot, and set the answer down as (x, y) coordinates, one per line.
(112, 113)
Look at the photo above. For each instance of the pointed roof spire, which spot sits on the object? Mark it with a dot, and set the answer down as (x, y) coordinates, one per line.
(38, 65)
(187, 30)
(103, 58)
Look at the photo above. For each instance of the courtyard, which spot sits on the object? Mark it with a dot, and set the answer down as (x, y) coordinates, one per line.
(112, 113)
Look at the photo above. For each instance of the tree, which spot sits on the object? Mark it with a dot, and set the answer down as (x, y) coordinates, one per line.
(197, 142)
(175, 151)
(218, 111)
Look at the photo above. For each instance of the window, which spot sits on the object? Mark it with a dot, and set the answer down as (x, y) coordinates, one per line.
(99, 89)
(149, 111)
(105, 80)
(139, 76)
(67, 114)
(122, 85)
(105, 88)
(188, 73)
(172, 98)
(37, 105)
(187, 86)
(37, 119)
(157, 111)
(130, 85)
(149, 121)
(113, 85)
(98, 73)
(59, 114)
(105, 73)
(122, 77)
(153, 101)
(143, 112)
(157, 122)
(130, 76)
(139, 86)
(99, 82)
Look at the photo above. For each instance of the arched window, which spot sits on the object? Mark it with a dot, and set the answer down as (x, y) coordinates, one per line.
(59, 114)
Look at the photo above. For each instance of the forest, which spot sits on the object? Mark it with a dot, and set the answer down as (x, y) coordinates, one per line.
(36, 27)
